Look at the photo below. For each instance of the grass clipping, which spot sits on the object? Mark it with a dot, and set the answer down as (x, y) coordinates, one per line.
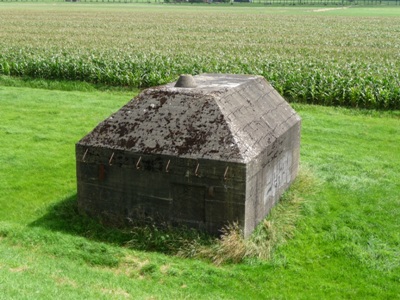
(275, 230)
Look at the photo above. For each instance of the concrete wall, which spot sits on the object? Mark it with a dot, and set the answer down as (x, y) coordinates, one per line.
(269, 175)
(198, 193)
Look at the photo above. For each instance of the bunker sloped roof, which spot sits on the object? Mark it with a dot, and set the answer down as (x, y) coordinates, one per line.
(225, 117)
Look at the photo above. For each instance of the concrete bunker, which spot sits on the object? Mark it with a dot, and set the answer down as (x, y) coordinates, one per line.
(205, 151)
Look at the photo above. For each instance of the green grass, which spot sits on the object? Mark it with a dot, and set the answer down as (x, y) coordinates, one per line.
(63, 85)
(38, 132)
(343, 244)
(347, 57)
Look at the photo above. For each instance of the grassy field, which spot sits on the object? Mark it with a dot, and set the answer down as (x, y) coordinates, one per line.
(344, 243)
(321, 56)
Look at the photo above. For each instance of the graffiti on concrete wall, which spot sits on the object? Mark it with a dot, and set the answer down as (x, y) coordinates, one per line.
(277, 176)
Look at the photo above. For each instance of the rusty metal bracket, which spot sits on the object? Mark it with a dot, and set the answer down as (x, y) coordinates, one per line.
(102, 172)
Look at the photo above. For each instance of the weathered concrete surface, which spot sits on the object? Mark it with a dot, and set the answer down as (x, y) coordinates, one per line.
(220, 152)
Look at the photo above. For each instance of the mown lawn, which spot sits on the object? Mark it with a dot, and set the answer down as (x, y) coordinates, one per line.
(345, 244)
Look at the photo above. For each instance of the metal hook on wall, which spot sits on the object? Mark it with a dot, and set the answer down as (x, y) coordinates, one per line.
(84, 155)
(111, 158)
(167, 167)
(138, 163)
(197, 168)
(226, 172)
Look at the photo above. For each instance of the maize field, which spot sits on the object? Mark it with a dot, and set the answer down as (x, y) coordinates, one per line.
(309, 55)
